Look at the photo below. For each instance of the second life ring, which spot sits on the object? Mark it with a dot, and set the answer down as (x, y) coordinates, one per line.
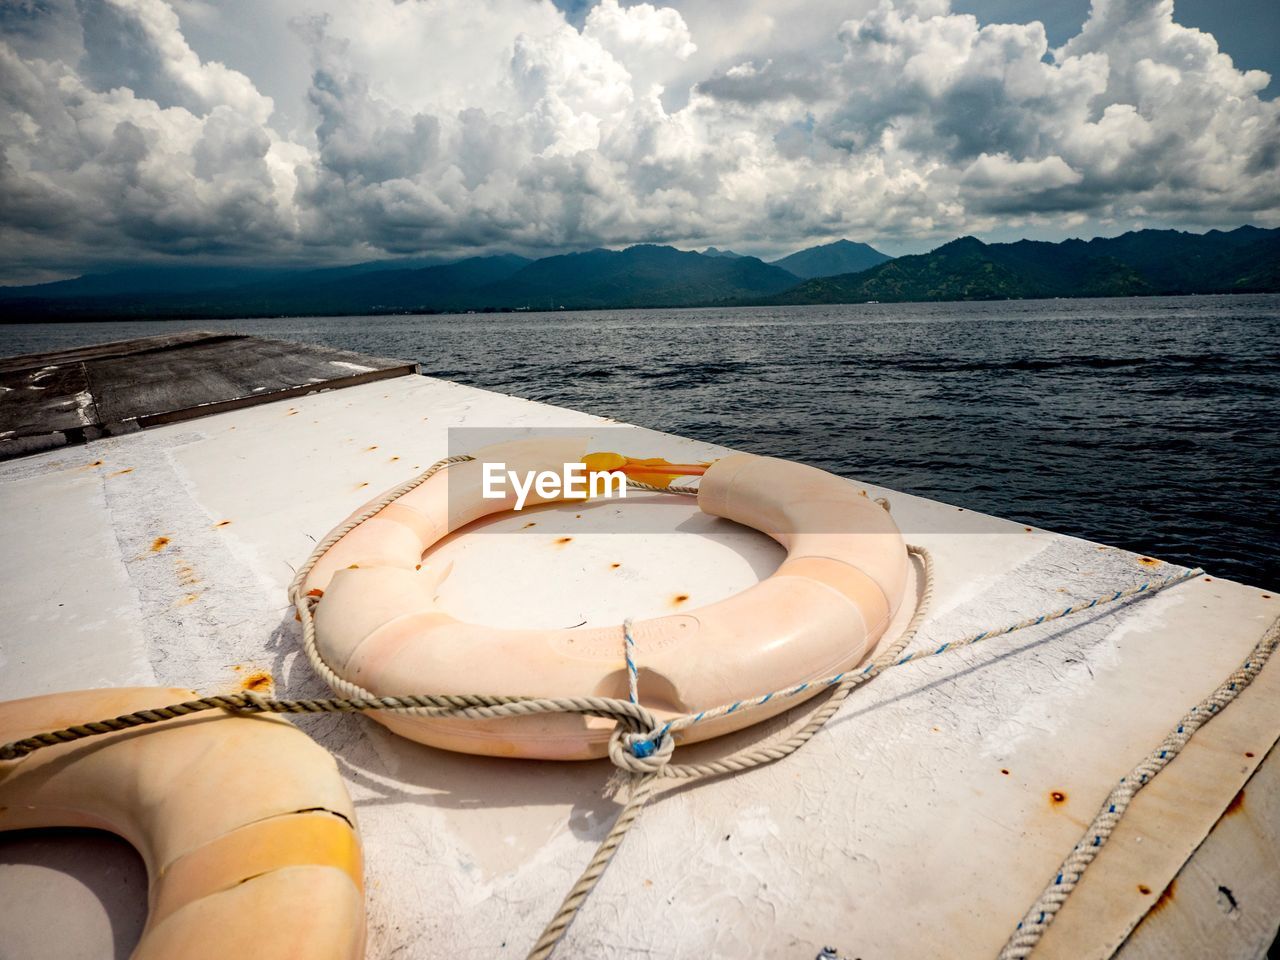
(244, 823)
(379, 627)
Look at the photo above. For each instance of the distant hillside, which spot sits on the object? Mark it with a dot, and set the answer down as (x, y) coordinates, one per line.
(392, 291)
(640, 276)
(1246, 260)
(716, 252)
(170, 280)
(831, 259)
(145, 282)
(360, 289)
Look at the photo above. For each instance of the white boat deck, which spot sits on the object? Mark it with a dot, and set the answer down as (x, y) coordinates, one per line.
(921, 823)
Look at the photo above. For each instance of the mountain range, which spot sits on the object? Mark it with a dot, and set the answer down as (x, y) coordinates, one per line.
(1140, 263)
(1146, 262)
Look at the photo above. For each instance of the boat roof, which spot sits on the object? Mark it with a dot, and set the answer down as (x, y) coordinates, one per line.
(922, 822)
(71, 396)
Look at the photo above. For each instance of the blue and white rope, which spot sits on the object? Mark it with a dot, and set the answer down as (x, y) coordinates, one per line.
(897, 659)
(629, 649)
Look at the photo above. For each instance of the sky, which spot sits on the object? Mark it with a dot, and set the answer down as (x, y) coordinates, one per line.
(280, 132)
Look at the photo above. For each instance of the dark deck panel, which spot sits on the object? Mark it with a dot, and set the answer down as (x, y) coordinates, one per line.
(52, 399)
(113, 348)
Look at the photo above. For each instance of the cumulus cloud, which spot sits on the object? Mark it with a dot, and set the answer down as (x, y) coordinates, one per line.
(460, 125)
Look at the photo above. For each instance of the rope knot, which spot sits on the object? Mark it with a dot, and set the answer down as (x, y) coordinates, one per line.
(640, 752)
(250, 702)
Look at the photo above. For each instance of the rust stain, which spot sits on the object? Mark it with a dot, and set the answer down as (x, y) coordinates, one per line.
(1144, 890)
(1208, 579)
(614, 566)
(354, 566)
(531, 523)
(222, 523)
(159, 543)
(96, 463)
(291, 412)
(258, 681)
(1266, 596)
(1249, 754)
(1057, 797)
(1236, 805)
(374, 447)
(1028, 529)
(678, 599)
(1100, 549)
(1165, 898)
(361, 486)
(1148, 562)
(121, 472)
(561, 541)
(189, 598)
(1004, 771)
(394, 459)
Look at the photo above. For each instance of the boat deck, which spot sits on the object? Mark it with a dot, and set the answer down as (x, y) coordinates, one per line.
(921, 823)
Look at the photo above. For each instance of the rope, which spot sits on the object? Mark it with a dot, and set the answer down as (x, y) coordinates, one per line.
(755, 756)
(642, 787)
(688, 491)
(628, 654)
(638, 745)
(470, 707)
(1037, 919)
(891, 656)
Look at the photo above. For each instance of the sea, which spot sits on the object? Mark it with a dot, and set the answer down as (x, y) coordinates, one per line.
(1151, 424)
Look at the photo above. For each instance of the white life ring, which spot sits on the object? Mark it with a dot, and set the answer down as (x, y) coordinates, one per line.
(378, 626)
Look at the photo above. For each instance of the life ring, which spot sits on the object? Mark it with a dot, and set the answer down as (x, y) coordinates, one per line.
(379, 628)
(244, 823)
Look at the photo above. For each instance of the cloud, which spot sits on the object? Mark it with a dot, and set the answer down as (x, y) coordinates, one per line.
(93, 170)
(459, 125)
